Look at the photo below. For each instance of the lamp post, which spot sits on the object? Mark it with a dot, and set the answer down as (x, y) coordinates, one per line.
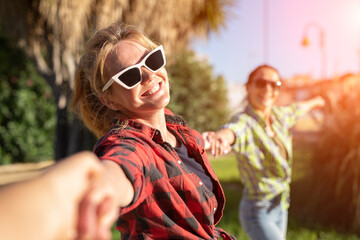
(265, 29)
(306, 42)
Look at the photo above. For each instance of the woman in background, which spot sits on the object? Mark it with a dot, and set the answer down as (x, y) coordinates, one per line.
(261, 139)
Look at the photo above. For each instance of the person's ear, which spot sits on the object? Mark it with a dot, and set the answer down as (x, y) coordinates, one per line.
(107, 101)
(247, 86)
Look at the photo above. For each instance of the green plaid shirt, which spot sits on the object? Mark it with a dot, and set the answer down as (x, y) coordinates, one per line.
(263, 170)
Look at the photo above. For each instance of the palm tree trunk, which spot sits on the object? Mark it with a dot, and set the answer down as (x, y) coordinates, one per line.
(61, 139)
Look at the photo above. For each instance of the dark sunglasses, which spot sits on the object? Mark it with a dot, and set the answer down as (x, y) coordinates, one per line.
(132, 76)
(262, 83)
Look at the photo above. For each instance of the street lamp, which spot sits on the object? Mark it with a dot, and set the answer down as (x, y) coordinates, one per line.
(266, 29)
(306, 42)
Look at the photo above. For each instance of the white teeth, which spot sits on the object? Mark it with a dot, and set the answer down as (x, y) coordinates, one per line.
(153, 90)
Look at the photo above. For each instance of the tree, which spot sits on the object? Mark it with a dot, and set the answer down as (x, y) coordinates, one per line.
(53, 33)
(196, 94)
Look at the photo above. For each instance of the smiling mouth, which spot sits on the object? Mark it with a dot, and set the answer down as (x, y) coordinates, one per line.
(153, 90)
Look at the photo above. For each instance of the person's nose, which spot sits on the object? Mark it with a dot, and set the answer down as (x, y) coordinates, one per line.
(147, 75)
(268, 87)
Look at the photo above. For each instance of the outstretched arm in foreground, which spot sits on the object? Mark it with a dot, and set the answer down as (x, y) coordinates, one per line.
(59, 203)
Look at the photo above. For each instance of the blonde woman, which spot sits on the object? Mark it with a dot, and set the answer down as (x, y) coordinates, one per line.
(156, 164)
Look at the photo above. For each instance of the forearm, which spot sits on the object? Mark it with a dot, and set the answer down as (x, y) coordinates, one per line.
(54, 204)
(308, 105)
(29, 211)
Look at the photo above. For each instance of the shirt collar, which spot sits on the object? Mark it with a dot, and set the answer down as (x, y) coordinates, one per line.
(251, 112)
(172, 121)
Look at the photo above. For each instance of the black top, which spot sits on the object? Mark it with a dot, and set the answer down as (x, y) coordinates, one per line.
(193, 165)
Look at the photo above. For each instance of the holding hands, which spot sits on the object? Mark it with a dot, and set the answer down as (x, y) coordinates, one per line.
(218, 143)
(89, 207)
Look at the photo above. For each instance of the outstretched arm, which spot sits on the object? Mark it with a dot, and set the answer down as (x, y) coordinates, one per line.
(52, 205)
(315, 102)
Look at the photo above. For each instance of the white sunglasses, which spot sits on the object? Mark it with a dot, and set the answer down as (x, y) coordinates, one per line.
(132, 76)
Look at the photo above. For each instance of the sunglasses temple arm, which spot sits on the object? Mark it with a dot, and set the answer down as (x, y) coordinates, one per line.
(108, 84)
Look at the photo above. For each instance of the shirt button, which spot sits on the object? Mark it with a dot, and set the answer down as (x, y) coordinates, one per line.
(200, 183)
(214, 209)
(179, 162)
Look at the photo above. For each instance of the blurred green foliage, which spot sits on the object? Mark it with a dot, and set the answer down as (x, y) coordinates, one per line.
(196, 94)
(27, 110)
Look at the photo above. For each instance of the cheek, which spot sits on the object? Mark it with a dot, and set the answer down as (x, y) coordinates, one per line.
(276, 94)
(121, 95)
(163, 73)
(252, 92)
(251, 97)
(116, 102)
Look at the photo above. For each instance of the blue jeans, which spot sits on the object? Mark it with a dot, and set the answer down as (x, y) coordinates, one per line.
(263, 220)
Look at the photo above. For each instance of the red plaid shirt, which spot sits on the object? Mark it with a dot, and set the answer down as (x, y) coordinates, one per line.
(170, 202)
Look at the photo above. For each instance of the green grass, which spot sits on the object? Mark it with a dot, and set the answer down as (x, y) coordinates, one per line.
(226, 170)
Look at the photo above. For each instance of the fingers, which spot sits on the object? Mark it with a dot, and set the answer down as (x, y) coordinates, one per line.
(208, 137)
(86, 219)
(319, 102)
(107, 213)
(217, 145)
(97, 213)
(89, 209)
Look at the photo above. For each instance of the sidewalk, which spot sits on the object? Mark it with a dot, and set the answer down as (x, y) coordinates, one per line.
(16, 172)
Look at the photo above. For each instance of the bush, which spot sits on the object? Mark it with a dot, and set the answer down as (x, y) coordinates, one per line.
(27, 112)
(333, 188)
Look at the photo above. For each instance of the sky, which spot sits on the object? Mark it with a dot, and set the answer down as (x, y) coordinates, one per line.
(246, 41)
